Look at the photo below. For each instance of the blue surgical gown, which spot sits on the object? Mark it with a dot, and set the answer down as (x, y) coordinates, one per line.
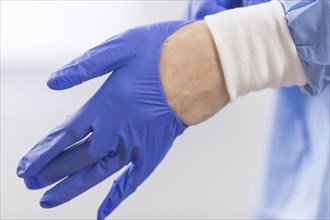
(295, 180)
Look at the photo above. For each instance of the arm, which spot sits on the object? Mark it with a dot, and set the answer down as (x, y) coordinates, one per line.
(130, 121)
(250, 49)
(265, 46)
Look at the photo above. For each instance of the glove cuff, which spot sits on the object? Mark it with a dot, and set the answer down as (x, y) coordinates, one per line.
(256, 49)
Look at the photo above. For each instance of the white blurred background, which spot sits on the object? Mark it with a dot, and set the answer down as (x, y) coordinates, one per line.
(211, 171)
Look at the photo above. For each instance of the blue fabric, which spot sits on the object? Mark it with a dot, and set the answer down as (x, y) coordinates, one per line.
(295, 181)
(309, 24)
(129, 120)
(200, 8)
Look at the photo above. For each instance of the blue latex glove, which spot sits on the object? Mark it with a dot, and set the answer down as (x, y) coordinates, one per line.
(129, 118)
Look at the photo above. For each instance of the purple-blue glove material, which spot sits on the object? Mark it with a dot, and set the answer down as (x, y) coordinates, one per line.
(128, 121)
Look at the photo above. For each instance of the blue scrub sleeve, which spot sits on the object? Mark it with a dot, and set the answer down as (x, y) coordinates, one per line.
(309, 25)
(198, 9)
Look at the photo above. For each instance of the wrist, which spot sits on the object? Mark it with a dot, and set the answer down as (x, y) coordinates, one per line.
(191, 74)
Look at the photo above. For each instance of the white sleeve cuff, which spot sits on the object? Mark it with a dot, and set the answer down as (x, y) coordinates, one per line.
(256, 49)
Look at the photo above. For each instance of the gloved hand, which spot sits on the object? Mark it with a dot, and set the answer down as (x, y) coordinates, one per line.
(129, 120)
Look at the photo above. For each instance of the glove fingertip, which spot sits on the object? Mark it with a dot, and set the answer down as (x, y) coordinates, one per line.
(33, 183)
(53, 83)
(57, 83)
(60, 81)
(20, 172)
(47, 203)
(23, 170)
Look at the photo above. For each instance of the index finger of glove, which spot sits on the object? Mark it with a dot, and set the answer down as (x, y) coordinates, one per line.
(108, 56)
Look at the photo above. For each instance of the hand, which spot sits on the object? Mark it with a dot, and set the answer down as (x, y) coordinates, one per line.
(129, 119)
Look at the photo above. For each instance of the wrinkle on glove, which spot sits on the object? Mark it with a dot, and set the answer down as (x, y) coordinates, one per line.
(127, 122)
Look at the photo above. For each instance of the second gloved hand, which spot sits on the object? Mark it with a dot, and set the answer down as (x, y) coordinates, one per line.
(129, 118)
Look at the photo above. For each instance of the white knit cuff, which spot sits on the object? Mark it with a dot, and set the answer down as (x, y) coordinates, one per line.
(256, 49)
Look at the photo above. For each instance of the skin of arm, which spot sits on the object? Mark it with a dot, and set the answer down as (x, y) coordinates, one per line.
(191, 74)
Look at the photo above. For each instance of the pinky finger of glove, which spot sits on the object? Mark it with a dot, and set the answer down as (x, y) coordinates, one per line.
(124, 186)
